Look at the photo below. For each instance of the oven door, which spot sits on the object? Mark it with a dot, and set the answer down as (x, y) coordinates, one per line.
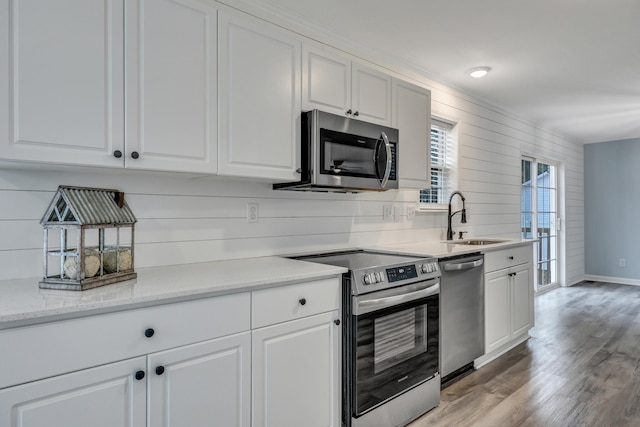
(395, 345)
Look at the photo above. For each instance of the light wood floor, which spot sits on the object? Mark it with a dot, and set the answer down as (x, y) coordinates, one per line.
(581, 367)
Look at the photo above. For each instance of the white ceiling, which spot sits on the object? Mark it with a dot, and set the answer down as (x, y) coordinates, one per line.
(572, 66)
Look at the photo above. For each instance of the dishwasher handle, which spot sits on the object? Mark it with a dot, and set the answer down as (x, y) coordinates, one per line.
(468, 265)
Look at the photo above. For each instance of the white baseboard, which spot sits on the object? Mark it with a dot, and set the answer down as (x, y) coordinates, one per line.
(620, 280)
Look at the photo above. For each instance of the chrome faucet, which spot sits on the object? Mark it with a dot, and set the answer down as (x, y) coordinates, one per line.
(463, 213)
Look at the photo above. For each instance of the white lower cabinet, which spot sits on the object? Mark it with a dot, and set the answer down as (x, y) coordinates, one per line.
(183, 364)
(269, 358)
(106, 396)
(196, 384)
(509, 312)
(296, 373)
(296, 336)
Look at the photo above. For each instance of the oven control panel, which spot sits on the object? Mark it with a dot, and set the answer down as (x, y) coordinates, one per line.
(400, 273)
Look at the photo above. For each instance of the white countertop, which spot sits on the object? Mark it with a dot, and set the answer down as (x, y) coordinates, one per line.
(22, 302)
(443, 249)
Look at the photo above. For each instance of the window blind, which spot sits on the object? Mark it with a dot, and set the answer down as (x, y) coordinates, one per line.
(442, 163)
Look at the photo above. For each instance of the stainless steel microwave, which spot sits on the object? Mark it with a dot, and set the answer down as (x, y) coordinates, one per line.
(341, 154)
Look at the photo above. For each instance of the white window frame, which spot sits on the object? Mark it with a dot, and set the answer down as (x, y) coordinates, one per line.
(451, 166)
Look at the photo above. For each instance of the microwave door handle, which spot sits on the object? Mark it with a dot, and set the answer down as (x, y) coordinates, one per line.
(387, 170)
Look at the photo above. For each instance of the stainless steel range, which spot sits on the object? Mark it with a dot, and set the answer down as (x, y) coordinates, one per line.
(390, 348)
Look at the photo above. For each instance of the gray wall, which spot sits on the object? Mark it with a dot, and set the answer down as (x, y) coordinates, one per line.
(612, 208)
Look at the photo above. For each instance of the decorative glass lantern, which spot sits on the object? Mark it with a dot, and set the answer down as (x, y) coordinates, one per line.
(88, 239)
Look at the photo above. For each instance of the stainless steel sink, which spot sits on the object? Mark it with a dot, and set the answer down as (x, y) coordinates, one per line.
(475, 242)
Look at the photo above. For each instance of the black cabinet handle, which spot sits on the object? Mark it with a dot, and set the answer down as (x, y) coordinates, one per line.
(511, 257)
(302, 301)
(337, 322)
(356, 114)
(349, 111)
(149, 333)
(135, 155)
(139, 375)
(159, 370)
(117, 154)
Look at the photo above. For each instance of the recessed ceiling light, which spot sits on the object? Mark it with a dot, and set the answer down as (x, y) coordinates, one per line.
(478, 72)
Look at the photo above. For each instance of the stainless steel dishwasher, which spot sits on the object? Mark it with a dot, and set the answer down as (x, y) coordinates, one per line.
(461, 314)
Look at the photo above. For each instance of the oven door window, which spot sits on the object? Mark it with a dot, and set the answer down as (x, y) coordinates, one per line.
(396, 349)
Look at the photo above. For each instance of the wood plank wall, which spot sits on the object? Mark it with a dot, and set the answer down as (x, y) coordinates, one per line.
(187, 220)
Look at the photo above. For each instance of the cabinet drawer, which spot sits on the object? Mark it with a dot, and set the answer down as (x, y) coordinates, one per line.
(504, 258)
(40, 351)
(276, 305)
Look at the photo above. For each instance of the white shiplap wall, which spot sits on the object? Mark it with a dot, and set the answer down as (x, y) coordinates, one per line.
(187, 220)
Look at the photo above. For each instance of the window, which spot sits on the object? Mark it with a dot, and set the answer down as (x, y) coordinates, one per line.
(443, 164)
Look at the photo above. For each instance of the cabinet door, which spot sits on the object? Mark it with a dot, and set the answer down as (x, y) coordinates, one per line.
(259, 110)
(521, 300)
(412, 116)
(105, 396)
(497, 306)
(202, 383)
(61, 81)
(171, 85)
(326, 81)
(371, 95)
(296, 373)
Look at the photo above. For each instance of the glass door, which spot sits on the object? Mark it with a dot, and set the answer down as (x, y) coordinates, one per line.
(539, 207)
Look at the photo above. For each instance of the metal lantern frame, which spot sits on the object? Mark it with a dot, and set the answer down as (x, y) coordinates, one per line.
(83, 210)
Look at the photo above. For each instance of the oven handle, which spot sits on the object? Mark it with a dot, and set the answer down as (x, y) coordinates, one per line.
(367, 305)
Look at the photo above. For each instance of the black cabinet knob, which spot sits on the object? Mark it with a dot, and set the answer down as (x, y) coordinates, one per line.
(337, 322)
(302, 301)
(349, 111)
(117, 154)
(159, 370)
(135, 154)
(511, 257)
(149, 333)
(356, 114)
(139, 375)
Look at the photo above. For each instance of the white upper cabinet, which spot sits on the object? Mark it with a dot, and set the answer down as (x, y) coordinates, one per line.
(61, 81)
(66, 77)
(171, 86)
(371, 95)
(259, 99)
(326, 81)
(412, 117)
(333, 83)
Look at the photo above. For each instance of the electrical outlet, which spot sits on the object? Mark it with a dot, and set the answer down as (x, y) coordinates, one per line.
(252, 212)
(397, 214)
(622, 262)
(387, 212)
(411, 211)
